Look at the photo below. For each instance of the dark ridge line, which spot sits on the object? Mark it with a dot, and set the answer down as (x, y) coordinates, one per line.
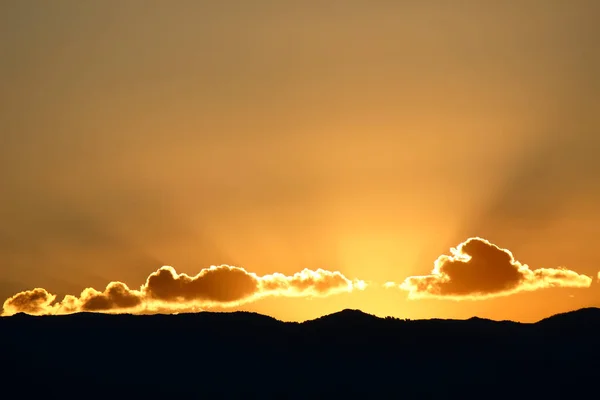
(346, 313)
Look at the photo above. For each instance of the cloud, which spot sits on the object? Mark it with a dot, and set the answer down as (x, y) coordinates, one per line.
(478, 269)
(116, 296)
(35, 301)
(167, 291)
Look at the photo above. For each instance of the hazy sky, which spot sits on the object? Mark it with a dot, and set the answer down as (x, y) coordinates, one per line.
(366, 137)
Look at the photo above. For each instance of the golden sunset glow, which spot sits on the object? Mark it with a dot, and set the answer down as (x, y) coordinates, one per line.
(318, 157)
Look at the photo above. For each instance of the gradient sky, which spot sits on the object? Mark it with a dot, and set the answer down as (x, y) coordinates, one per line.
(366, 137)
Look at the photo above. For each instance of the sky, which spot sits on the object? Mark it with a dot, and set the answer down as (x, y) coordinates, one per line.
(297, 158)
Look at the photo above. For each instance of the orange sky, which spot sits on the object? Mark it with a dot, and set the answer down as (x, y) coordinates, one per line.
(365, 137)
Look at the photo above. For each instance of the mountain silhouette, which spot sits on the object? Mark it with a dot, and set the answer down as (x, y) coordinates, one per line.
(575, 319)
(346, 354)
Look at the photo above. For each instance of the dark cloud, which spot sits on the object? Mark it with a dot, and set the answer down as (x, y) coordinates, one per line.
(36, 301)
(116, 296)
(478, 269)
(222, 284)
(167, 291)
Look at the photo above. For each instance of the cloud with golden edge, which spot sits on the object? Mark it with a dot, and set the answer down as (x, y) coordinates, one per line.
(478, 269)
(166, 291)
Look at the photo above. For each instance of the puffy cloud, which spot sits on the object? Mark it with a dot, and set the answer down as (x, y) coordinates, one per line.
(167, 291)
(36, 301)
(116, 296)
(222, 284)
(308, 283)
(478, 269)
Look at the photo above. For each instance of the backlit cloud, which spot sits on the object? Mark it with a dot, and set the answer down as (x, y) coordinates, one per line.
(35, 301)
(478, 269)
(167, 291)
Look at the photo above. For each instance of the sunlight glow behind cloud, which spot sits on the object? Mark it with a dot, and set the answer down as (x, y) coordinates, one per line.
(478, 269)
(167, 291)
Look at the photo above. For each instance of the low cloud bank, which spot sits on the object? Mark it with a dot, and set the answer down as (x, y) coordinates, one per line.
(167, 291)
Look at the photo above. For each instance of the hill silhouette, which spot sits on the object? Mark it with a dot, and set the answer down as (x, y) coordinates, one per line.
(345, 354)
